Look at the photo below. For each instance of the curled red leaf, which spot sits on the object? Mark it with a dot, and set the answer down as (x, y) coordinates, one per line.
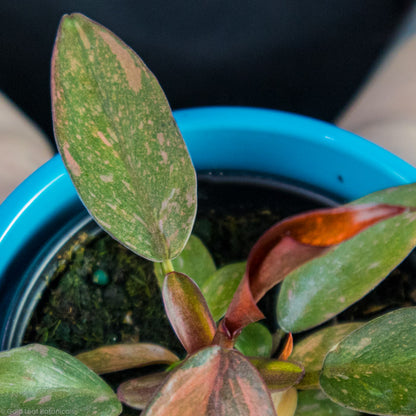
(291, 243)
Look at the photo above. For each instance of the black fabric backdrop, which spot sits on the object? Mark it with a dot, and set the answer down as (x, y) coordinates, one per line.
(305, 56)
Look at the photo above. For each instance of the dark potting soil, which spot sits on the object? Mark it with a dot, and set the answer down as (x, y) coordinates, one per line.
(76, 313)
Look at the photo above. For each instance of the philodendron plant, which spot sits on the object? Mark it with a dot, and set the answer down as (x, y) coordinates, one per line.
(131, 168)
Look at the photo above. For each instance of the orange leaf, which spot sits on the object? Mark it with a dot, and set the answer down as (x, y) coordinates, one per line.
(287, 348)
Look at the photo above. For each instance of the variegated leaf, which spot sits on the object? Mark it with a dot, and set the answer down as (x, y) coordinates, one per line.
(36, 379)
(213, 382)
(119, 141)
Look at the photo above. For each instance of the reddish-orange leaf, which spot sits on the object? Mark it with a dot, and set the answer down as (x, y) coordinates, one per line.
(138, 392)
(188, 312)
(287, 348)
(213, 382)
(291, 243)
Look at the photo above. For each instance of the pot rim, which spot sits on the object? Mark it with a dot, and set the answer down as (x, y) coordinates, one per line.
(222, 138)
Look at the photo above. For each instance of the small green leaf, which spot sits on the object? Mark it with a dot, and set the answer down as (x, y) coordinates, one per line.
(121, 357)
(119, 141)
(37, 378)
(188, 312)
(352, 269)
(311, 351)
(373, 370)
(278, 375)
(195, 261)
(255, 340)
(219, 289)
(213, 382)
(316, 403)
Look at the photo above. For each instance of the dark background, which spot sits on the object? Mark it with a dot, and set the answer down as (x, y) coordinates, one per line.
(304, 56)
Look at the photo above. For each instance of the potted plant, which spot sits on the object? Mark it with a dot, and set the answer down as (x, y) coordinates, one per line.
(214, 376)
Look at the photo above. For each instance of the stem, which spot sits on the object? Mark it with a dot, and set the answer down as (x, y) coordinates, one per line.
(167, 266)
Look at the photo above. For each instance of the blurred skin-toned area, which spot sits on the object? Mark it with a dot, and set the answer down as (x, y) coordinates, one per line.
(23, 147)
(383, 111)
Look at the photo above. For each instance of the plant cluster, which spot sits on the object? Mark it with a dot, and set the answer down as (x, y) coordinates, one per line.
(131, 168)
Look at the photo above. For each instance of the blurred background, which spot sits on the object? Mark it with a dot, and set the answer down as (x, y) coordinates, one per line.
(304, 56)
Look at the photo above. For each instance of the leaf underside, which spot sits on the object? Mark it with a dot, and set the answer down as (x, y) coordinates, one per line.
(121, 357)
(373, 370)
(119, 141)
(138, 392)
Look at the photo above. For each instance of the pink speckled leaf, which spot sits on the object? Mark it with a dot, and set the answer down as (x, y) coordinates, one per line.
(213, 382)
(119, 141)
(37, 379)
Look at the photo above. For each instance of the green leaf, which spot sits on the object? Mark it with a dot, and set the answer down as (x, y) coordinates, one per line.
(121, 357)
(36, 378)
(219, 289)
(255, 340)
(195, 261)
(213, 382)
(349, 271)
(311, 351)
(373, 370)
(188, 312)
(278, 375)
(119, 141)
(316, 403)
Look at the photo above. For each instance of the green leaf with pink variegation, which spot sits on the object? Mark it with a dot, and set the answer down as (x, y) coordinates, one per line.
(36, 379)
(119, 141)
(213, 382)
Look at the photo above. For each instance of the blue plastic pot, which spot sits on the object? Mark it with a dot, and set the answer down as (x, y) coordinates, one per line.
(41, 212)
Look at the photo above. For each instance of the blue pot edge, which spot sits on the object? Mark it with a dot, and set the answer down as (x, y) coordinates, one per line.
(30, 196)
